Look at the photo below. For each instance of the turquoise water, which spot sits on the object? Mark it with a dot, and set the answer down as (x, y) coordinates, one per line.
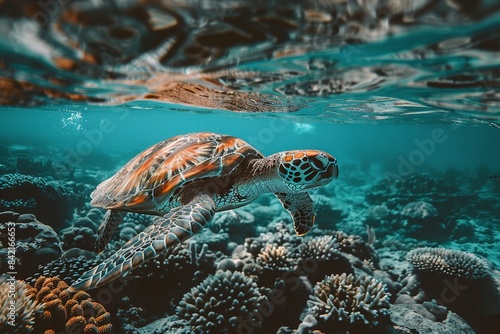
(404, 94)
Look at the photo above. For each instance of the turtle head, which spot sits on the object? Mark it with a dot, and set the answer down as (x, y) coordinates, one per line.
(305, 169)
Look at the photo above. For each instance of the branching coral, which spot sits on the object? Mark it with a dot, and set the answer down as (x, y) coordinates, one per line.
(320, 256)
(356, 304)
(448, 262)
(275, 259)
(67, 312)
(221, 303)
(20, 316)
(320, 248)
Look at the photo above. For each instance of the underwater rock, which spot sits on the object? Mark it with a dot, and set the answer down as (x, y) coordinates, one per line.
(464, 231)
(85, 222)
(25, 308)
(78, 237)
(28, 194)
(215, 241)
(407, 321)
(224, 302)
(238, 223)
(416, 187)
(170, 324)
(30, 166)
(375, 214)
(421, 221)
(328, 211)
(348, 304)
(36, 244)
(419, 210)
(64, 311)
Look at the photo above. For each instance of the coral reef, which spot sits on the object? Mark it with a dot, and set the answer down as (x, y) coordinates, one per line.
(68, 269)
(448, 262)
(78, 237)
(17, 318)
(222, 303)
(28, 194)
(410, 322)
(328, 211)
(275, 259)
(67, 312)
(461, 281)
(348, 304)
(36, 243)
(320, 256)
(30, 166)
(419, 210)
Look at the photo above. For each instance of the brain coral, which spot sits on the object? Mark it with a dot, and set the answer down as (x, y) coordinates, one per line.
(65, 312)
(221, 303)
(448, 262)
(25, 308)
(346, 301)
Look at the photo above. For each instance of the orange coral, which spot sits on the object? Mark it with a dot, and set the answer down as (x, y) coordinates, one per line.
(67, 312)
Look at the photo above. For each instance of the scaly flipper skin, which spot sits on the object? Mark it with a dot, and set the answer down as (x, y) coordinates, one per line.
(178, 225)
(111, 220)
(301, 208)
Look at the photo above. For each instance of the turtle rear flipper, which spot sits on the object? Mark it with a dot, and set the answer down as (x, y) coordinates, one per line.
(111, 220)
(301, 208)
(178, 225)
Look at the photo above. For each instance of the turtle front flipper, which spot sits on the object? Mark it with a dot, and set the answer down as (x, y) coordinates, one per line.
(301, 208)
(111, 220)
(179, 224)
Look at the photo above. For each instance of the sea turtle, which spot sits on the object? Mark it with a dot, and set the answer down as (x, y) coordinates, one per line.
(186, 179)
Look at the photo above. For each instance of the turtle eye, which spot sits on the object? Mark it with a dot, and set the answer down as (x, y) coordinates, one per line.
(317, 163)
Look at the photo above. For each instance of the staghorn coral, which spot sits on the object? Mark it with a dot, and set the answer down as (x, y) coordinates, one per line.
(448, 262)
(220, 303)
(20, 316)
(67, 312)
(349, 303)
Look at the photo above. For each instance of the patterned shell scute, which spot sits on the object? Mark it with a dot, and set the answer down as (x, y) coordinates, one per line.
(150, 179)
